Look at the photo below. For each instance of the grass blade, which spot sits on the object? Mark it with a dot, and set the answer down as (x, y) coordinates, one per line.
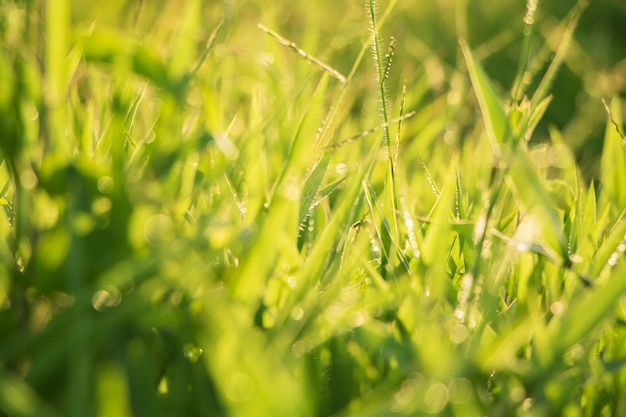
(582, 316)
(543, 89)
(494, 117)
(18, 399)
(613, 172)
(311, 186)
(535, 199)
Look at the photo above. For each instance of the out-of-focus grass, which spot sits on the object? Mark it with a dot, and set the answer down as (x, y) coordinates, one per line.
(198, 219)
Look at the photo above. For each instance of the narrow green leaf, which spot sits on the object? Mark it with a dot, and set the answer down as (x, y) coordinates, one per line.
(580, 318)
(536, 114)
(494, 116)
(609, 246)
(543, 89)
(589, 214)
(502, 351)
(19, 399)
(8, 121)
(535, 198)
(184, 43)
(436, 247)
(304, 146)
(519, 85)
(328, 189)
(389, 245)
(57, 27)
(613, 168)
(546, 82)
(312, 185)
(248, 283)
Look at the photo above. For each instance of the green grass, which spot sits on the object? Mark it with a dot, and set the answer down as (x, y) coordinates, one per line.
(298, 209)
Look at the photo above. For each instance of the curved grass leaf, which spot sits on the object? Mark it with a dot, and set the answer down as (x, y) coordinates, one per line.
(312, 186)
(19, 399)
(582, 316)
(608, 248)
(613, 172)
(494, 116)
(534, 196)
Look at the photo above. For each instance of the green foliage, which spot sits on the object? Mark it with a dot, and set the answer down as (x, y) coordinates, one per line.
(221, 210)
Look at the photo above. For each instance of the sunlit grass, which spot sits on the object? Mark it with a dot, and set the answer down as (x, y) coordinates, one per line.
(306, 210)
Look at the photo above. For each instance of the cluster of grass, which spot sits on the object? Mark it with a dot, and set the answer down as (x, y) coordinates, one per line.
(202, 216)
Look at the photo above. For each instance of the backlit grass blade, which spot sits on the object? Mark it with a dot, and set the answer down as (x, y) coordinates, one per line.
(464, 228)
(535, 199)
(242, 376)
(608, 253)
(19, 399)
(248, 282)
(543, 89)
(379, 64)
(529, 21)
(536, 114)
(184, 43)
(57, 27)
(501, 352)
(613, 168)
(389, 245)
(382, 65)
(581, 317)
(305, 141)
(111, 383)
(312, 186)
(588, 214)
(326, 252)
(494, 116)
(9, 91)
(303, 54)
(57, 19)
(436, 246)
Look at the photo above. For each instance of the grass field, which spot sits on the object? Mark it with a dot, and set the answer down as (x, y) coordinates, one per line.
(312, 208)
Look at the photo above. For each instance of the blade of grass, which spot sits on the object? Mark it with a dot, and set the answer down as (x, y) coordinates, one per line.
(494, 117)
(536, 115)
(285, 42)
(57, 20)
(382, 66)
(436, 247)
(529, 22)
(602, 257)
(311, 186)
(543, 89)
(304, 138)
(184, 42)
(19, 399)
(581, 317)
(535, 198)
(613, 167)
(389, 244)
